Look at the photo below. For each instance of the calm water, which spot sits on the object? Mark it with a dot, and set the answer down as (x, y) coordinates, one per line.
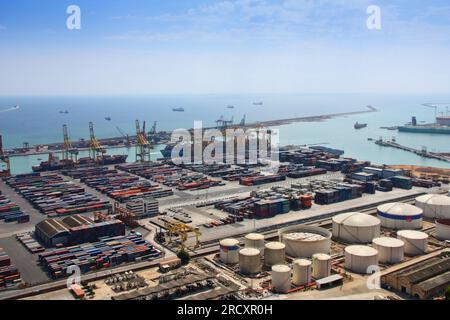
(38, 120)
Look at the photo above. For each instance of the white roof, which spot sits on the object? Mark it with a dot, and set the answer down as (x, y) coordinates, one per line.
(275, 245)
(388, 242)
(229, 242)
(303, 236)
(400, 209)
(321, 256)
(356, 219)
(412, 234)
(362, 251)
(302, 262)
(281, 268)
(254, 236)
(250, 252)
(434, 199)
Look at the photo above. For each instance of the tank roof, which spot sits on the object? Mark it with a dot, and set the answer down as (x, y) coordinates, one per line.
(275, 245)
(249, 252)
(412, 234)
(388, 242)
(400, 209)
(229, 242)
(363, 251)
(302, 262)
(254, 236)
(303, 236)
(321, 256)
(356, 219)
(436, 199)
(281, 268)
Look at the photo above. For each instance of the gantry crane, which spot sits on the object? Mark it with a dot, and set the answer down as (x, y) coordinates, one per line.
(96, 151)
(4, 157)
(153, 129)
(69, 153)
(124, 135)
(182, 232)
(143, 146)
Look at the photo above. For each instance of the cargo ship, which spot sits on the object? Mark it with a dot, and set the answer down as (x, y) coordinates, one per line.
(442, 126)
(260, 103)
(179, 109)
(54, 163)
(360, 125)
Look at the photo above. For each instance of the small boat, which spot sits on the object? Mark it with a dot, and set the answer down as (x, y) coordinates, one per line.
(258, 103)
(360, 125)
(63, 111)
(179, 109)
(108, 118)
(230, 107)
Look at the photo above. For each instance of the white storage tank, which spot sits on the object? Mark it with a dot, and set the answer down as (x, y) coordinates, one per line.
(390, 250)
(359, 258)
(281, 278)
(229, 251)
(321, 265)
(274, 253)
(416, 242)
(400, 216)
(434, 205)
(304, 241)
(301, 272)
(356, 227)
(443, 229)
(249, 261)
(254, 240)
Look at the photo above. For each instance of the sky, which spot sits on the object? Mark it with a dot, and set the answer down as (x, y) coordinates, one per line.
(224, 46)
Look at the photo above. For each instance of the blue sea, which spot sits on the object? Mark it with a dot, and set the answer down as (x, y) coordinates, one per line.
(38, 120)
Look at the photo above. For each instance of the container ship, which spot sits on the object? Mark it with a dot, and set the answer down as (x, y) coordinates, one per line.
(180, 109)
(442, 126)
(360, 125)
(54, 163)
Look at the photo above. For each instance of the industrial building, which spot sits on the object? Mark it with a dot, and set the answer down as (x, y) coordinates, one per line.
(76, 229)
(144, 207)
(422, 280)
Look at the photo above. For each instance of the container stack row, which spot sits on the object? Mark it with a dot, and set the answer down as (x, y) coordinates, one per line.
(55, 197)
(30, 243)
(108, 252)
(9, 274)
(10, 211)
(120, 186)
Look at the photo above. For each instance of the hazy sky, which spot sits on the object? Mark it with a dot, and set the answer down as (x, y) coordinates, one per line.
(234, 46)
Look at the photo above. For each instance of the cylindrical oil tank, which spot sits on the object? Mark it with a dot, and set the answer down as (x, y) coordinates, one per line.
(255, 240)
(356, 227)
(301, 272)
(359, 258)
(400, 216)
(443, 229)
(390, 250)
(229, 251)
(274, 253)
(281, 278)
(249, 261)
(434, 206)
(321, 265)
(304, 241)
(416, 242)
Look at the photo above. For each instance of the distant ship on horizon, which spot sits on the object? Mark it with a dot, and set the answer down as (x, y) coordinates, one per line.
(179, 109)
(230, 107)
(63, 111)
(360, 125)
(260, 103)
(108, 118)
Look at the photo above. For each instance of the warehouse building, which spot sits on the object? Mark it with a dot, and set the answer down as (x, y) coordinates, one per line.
(76, 229)
(422, 280)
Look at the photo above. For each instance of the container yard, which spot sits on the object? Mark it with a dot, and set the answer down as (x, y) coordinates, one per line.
(53, 196)
(120, 186)
(9, 274)
(108, 252)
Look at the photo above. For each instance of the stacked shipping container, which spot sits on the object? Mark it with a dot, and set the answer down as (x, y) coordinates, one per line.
(9, 274)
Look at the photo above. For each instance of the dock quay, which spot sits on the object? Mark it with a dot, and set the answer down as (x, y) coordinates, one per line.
(423, 152)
